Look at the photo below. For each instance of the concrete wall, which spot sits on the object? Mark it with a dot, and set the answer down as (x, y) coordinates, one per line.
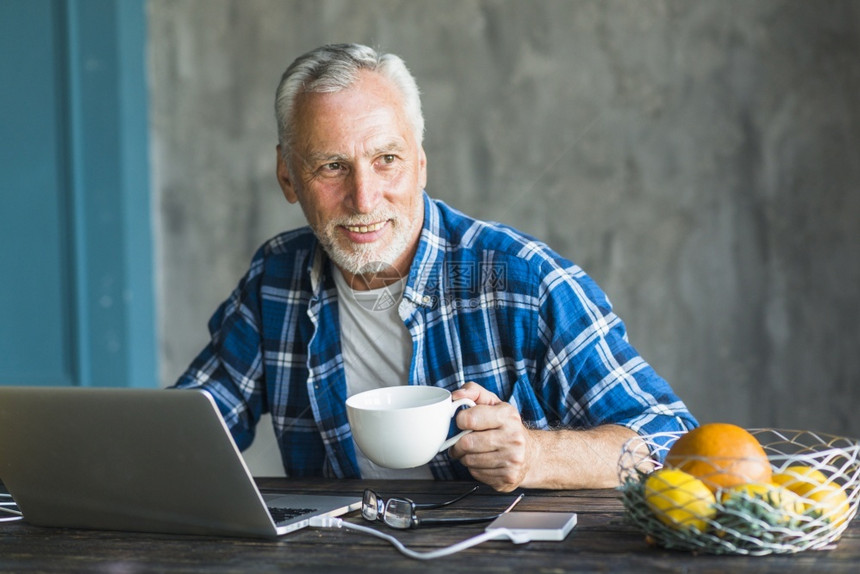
(700, 160)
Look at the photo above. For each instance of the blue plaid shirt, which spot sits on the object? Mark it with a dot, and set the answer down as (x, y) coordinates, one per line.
(482, 303)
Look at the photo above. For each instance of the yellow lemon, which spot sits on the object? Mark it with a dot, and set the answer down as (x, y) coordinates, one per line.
(799, 479)
(817, 491)
(771, 501)
(679, 500)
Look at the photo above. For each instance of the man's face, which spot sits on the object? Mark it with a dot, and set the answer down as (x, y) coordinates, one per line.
(358, 176)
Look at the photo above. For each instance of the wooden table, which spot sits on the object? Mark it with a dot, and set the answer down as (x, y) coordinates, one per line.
(601, 542)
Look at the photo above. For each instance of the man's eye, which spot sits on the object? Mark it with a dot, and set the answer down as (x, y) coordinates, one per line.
(331, 169)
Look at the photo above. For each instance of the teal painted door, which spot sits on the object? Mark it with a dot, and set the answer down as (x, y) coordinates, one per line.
(76, 296)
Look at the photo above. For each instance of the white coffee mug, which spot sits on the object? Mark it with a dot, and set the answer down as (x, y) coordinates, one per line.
(403, 427)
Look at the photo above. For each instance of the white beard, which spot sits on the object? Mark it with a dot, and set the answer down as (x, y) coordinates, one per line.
(368, 258)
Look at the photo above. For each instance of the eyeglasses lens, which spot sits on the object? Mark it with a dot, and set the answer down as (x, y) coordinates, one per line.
(370, 505)
(398, 513)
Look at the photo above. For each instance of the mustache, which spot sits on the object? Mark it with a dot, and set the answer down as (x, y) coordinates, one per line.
(365, 219)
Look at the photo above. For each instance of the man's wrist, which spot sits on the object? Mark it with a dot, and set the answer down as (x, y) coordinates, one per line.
(538, 468)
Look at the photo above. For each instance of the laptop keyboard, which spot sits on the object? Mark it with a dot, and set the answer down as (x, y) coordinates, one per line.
(281, 515)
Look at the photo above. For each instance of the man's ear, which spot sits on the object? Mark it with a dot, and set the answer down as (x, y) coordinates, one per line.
(422, 167)
(284, 179)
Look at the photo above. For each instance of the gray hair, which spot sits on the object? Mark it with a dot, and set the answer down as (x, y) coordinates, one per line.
(335, 67)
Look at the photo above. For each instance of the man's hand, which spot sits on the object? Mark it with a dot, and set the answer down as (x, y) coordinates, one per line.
(504, 454)
(501, 450)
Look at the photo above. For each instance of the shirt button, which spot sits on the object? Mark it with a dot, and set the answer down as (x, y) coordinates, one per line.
(425, 299)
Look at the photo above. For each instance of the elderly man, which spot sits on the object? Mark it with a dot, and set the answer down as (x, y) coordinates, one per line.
(390, 287)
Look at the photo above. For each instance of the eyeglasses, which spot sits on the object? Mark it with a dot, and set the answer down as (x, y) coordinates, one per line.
(399, 512)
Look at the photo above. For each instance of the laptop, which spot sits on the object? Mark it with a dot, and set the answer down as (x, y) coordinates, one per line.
(146, 460)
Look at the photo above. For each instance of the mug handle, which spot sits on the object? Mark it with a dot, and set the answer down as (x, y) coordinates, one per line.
(454, 406)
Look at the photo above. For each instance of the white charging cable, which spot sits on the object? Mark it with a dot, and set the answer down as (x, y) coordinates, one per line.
(17, 513)
(495, 534)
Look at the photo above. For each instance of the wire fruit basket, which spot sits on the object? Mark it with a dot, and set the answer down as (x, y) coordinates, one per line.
(747, 524)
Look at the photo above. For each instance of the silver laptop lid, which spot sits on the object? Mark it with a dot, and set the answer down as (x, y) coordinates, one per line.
(131, 459)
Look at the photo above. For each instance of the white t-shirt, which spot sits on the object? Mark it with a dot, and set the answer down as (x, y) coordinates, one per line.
(377, 352)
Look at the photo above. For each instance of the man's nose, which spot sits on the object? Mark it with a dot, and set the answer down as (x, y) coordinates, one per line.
(365, 191)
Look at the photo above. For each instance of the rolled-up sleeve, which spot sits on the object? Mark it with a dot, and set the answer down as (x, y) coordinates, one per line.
(602, 377)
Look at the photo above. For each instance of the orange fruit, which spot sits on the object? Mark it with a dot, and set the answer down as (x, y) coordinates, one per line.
(679, 500)
(721, 455)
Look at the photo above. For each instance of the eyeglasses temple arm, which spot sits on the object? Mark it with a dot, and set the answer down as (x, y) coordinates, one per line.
(463, 520)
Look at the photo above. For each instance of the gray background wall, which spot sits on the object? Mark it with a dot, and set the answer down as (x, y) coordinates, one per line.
(699, 159)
